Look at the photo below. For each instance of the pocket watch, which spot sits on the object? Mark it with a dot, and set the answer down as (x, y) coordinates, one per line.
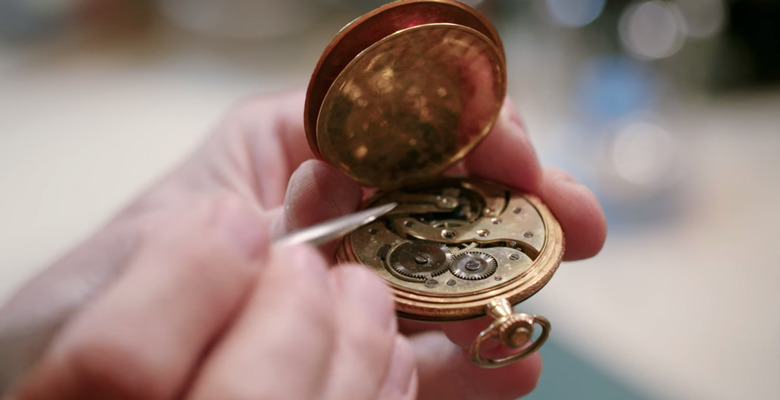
(400, 95)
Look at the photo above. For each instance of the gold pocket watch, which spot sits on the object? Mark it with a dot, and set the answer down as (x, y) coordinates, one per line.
(400, 95)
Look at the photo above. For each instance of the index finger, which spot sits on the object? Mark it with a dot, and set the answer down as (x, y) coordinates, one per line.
(271, 130)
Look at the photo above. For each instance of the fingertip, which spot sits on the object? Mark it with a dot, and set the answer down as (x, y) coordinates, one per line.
(366, 334)
(530, 368)
(318, 191)
(463, 333)
(297, 260)
(514, 380)
(446, 371)
(367, 292)
(509, 113)
(525, 373)
(578, 211)
(240, 226)
(260, 356)
(401, 380)
(360, 275)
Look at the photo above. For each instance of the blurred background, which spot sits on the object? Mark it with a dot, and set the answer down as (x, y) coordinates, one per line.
(668, 110)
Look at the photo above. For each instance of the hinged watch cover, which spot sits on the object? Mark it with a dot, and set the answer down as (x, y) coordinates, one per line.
(400, 95)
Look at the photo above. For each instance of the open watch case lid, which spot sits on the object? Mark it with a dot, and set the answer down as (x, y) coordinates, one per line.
(405, 91)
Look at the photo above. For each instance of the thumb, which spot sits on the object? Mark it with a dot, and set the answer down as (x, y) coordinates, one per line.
(317, 192)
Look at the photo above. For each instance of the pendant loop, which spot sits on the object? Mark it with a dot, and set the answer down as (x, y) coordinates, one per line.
(513, 330)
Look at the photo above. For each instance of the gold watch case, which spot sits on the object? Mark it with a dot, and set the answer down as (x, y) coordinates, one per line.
(400, 95)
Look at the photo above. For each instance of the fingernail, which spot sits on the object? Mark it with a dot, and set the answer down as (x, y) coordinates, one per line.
(368, 296)
(402, 372)
(242, 229)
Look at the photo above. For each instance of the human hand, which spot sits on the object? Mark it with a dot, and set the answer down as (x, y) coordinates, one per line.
(182, 295)
(241, 175)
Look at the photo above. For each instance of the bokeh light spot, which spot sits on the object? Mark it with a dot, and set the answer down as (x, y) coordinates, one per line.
(651, 29)
(573, 13)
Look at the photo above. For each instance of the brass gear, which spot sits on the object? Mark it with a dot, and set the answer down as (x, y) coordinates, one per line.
(419, 260)
(473, 265)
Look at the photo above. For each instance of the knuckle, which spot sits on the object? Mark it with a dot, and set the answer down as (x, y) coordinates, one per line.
(198, 227)
(248, 106)
(193, 245)
(224, 206)
(247, 113)
(255, 105)
(118, 368)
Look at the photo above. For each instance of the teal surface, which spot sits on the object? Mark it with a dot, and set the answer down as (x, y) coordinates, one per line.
(568, 376)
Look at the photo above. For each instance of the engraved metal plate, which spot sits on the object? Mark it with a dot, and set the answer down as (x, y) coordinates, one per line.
(452, 246)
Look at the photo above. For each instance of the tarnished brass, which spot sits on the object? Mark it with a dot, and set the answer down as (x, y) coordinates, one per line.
(458, 219)
(411, 105)
(399, 96)
(371, 28)
(403, 93)
(513, 330)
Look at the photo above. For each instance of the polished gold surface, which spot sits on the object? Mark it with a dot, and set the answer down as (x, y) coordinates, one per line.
(513, 330)
(452, 246)
(412, 105)
(371, 28)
